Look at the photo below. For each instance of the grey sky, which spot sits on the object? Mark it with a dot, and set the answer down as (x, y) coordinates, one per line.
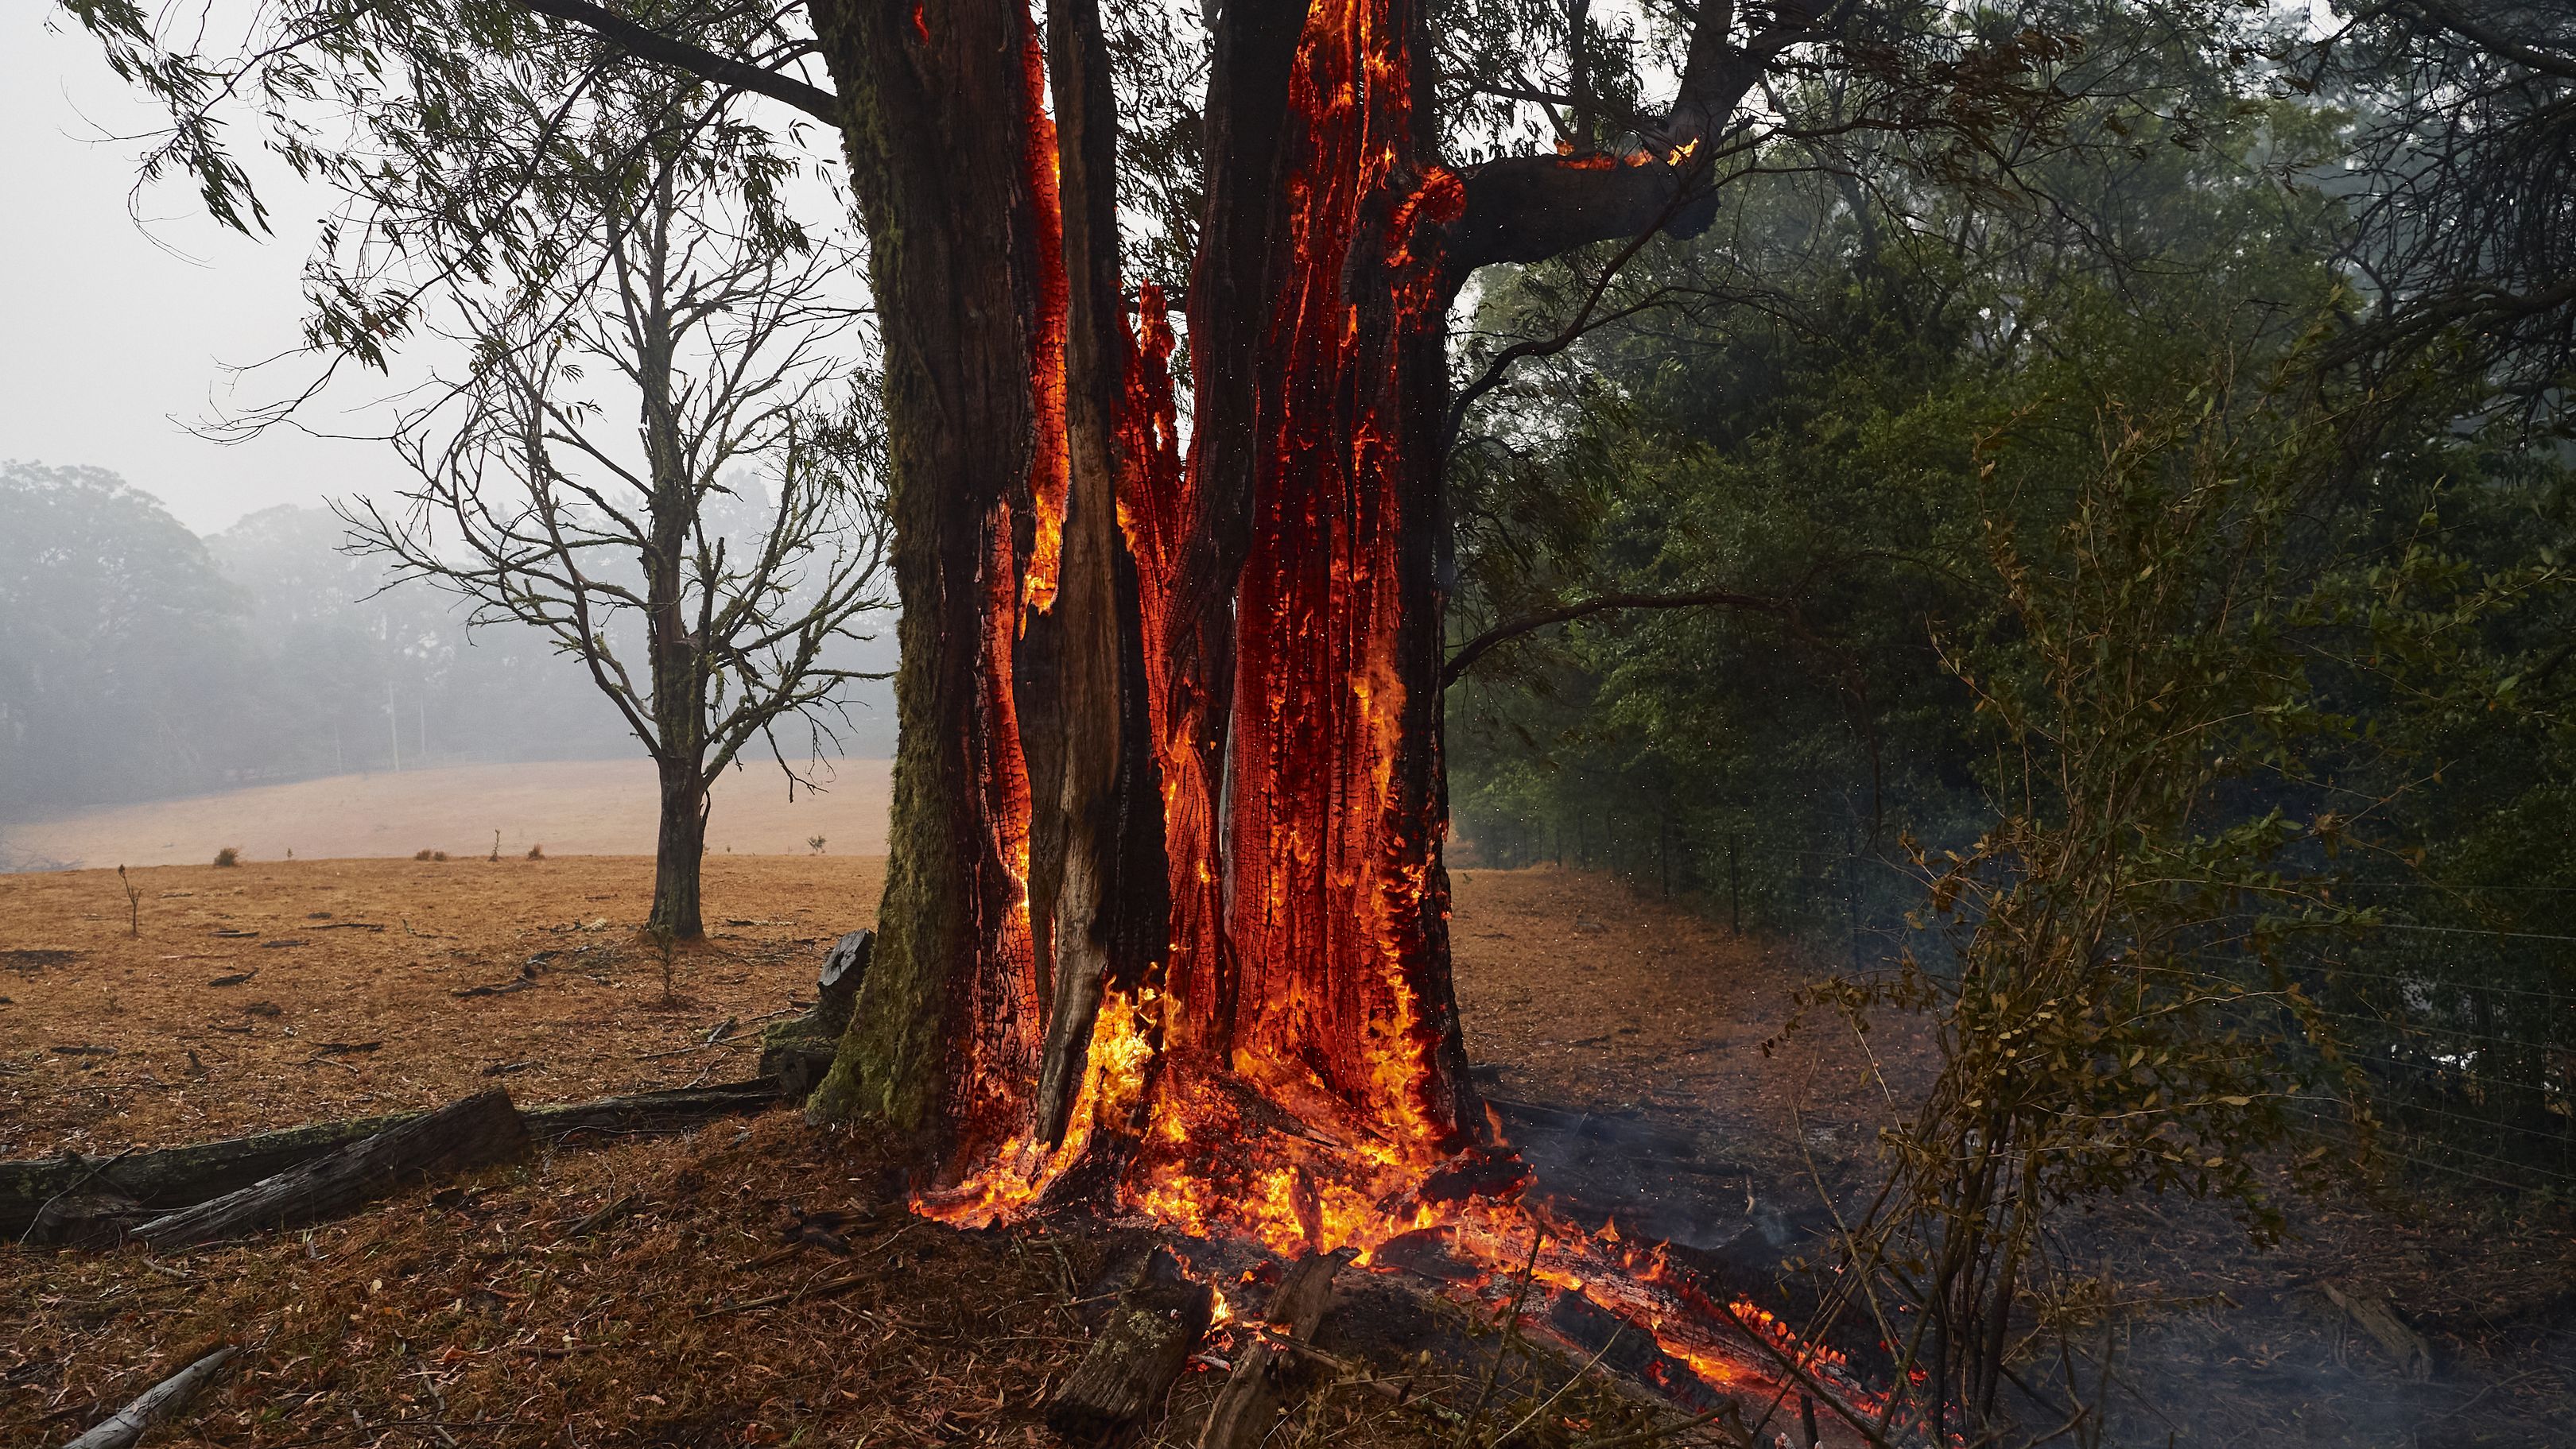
(116, 335)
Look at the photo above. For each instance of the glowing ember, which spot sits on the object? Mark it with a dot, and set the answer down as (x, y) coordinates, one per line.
(1051, 472)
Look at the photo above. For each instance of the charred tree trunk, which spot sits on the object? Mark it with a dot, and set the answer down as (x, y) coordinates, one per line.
(941, 124)
(1223, 677)
(1334, 810)
(1107, 915)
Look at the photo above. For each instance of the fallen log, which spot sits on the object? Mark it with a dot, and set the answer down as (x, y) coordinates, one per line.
(159, 1402)
(1265, 1372)
(642, 1112)
(1140, 1349)
(170, 1178)
(476, 1132)
(85, 1220)
(2413, 1355)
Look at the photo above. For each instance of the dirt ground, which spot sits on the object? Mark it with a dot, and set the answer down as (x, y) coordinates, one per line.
(502, 1313)
(571, 807)
(1584, 994)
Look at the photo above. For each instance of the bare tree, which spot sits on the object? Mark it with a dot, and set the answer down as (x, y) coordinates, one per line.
(701, 565)
(2465, 134)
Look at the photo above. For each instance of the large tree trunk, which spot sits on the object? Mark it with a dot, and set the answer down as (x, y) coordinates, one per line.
(1053, 683)
(679, 850)
(1338, 901)
(1107, 912)
(941, 125)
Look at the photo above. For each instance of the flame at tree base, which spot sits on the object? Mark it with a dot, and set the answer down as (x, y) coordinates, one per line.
(1207, 1155)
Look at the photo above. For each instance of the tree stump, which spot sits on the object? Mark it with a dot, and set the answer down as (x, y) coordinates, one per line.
(799, 1052)
(1264, 1373)
(1140, 1349)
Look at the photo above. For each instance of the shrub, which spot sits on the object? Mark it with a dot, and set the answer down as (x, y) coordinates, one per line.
(536, 852)
(438, 855)
(229, 856)
(422, 854)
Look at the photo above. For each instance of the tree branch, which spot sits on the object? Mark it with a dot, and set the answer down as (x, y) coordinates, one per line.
(1530, 208)
(1510, 629)
(653, 45)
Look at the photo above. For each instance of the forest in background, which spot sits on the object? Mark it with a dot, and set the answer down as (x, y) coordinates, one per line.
(1943, 537)
(139, 661)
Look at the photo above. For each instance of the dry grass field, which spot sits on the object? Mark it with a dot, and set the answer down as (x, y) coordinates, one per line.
(636, 1291)
(214, 995)
(571, 807)
(493, 1314)
(219, 992)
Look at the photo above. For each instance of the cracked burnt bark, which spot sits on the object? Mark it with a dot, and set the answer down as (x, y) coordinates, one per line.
(936, 116)
(1169, 801)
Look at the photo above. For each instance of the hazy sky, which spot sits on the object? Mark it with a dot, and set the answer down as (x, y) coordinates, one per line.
(118, 335)
(114, 336)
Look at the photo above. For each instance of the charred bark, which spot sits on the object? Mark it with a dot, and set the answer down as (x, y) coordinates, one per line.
(1265, 1369)
(1104, 912)
(1140, 1349)
(1335, 810)
(937, 122)
(1226, 674)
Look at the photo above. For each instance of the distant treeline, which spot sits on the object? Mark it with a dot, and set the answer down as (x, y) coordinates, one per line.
(139, 661)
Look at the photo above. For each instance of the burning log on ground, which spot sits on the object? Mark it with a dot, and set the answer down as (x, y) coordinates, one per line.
(1137, 1354)
(1265, 1370)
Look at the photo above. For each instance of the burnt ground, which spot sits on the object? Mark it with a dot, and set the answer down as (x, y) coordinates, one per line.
(639, 1292)
(1652, 1025)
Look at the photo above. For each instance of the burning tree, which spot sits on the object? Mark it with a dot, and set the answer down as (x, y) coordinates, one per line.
(1177, 886)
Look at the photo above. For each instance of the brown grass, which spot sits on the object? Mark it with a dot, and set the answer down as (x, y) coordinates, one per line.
(575, 807)
(479, 1312)
(375, 951)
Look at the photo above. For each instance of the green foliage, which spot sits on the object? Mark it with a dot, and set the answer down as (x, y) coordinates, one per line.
(2127, 694)
(1792, 418)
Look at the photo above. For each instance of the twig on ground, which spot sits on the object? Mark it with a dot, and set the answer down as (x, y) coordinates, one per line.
(162, 1400)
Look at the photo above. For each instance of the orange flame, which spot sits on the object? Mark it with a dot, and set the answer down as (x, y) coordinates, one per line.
(1051, 473)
